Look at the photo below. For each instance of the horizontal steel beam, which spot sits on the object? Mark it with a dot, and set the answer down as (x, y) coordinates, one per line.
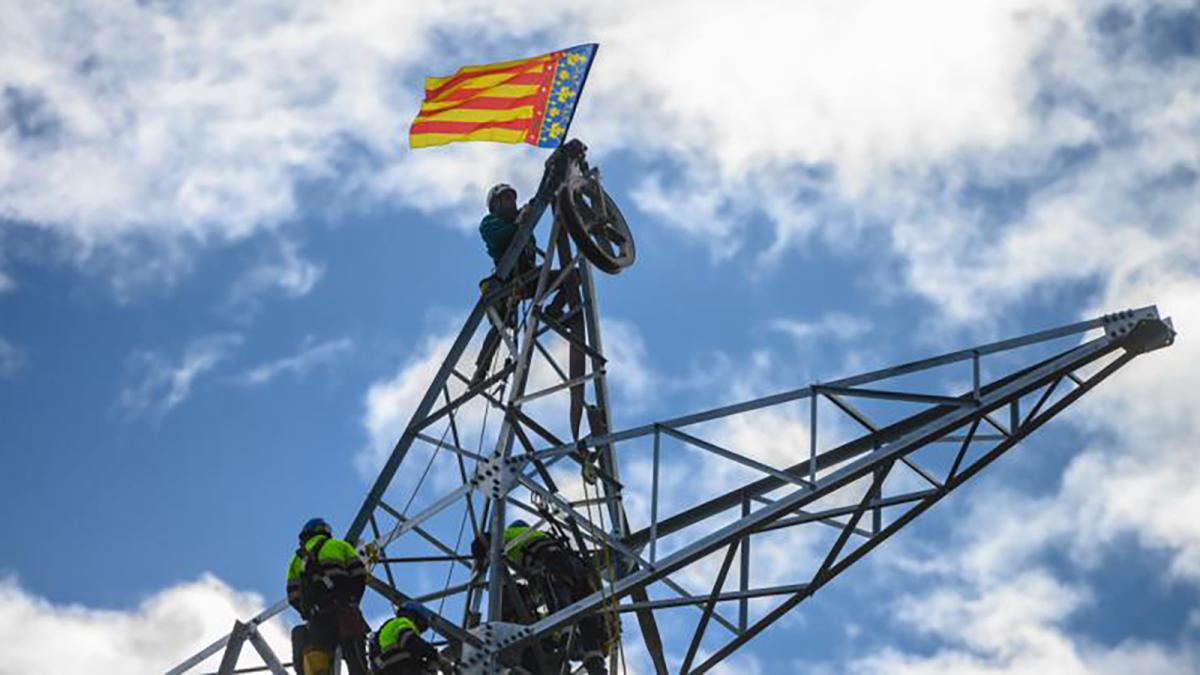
(723, 597)
(885, 395)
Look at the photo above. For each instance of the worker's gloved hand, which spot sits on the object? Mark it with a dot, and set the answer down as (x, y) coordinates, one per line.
(424, 651)
(556, 166)
(479, 552)
(573, 148)
(556, 163)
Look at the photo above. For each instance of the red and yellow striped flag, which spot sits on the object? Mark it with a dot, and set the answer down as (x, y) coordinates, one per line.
(528, 100)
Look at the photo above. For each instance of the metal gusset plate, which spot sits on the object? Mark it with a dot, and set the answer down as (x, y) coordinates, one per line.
(596, 224)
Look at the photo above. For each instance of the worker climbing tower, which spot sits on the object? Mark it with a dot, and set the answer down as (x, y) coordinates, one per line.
(517, 423)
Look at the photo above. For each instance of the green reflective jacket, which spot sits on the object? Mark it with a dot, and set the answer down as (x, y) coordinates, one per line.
(516, 553)
(392, 631)
(339, 570)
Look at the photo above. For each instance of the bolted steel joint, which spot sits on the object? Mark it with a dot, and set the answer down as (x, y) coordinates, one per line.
(496, 476)
(495, 637)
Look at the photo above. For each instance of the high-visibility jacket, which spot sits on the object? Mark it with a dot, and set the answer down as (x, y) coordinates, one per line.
(398, 641)
(532, 546)
(325, 572)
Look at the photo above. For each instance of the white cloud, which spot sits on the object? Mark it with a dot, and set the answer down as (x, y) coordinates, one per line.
(198, 125)
(6, 283)
(999, 608)
(1015, 627)
(162, 385)
(194, 126)
(200, 129)
(311, 355)
(1120, 217)
(12, 358)
(1140, 476)
(837, 325)
(288, 273)
(149, 638)
(634, 381)
(390, 403)
(1115, 214)
(854, 92)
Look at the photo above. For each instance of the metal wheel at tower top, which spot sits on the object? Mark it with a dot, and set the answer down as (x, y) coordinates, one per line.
(595, 223)
(533, 438)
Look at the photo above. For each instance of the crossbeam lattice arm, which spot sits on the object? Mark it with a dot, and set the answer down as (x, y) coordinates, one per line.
(856, 491)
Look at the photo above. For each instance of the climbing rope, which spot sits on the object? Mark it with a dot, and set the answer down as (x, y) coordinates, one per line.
(608, 602)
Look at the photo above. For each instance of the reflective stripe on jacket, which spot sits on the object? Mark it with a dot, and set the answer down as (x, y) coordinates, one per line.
(393, 640)
(338, 566)
(530, 547)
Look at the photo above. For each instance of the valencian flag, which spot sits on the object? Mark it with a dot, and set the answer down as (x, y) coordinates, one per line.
(525, 101)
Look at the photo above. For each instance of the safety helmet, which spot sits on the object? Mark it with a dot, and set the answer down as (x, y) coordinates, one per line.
(419, 614)
(314, 527)
(518, 523)
(497, 190)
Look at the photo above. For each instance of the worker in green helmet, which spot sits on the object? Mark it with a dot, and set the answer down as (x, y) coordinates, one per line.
(325, 582)
(397, 648)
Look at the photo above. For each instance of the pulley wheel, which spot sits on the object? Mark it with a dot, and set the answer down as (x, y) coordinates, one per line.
(596, 224)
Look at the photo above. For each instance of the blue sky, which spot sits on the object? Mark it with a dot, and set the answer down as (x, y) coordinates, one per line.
(214, 245)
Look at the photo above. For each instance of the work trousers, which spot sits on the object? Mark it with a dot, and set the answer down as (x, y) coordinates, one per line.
(322, 632)
(568, 579)
(568, 291)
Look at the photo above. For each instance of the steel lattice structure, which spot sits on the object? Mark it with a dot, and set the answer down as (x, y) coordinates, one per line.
(901, 444)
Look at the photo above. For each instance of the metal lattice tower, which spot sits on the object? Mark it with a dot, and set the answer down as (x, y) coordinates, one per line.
(529, 437)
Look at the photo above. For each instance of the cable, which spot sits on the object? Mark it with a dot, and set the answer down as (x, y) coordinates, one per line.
(425, 474)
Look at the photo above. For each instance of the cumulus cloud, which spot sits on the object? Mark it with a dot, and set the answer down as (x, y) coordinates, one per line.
(839, 96)
(390, 403)
(201, 127)
(311, 355)
(160, 384)
(12, 358)
(850, 116)
(1100, 195)
(194, 126)
(1017, 627)
(999, 607)
(1139, 476)
(149, 638)
(1101, 191)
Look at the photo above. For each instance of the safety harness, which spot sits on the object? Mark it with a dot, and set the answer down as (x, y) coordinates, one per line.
(315, 583)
